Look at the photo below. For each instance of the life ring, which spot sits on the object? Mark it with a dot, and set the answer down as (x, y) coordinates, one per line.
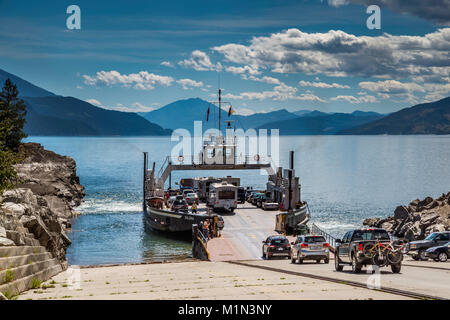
(180, 158)
(256, 157)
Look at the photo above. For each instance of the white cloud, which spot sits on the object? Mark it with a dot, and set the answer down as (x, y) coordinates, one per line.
(200, 61)
(167, 64)
(355, 100)
(142, 80)
(95, 102)
(281, 92)
(245, 111)
(391, 87)
(337, 53)
(189, 83)
(243, 70)
(322, 85)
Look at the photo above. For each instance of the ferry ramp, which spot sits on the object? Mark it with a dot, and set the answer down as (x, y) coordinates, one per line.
(242, 236)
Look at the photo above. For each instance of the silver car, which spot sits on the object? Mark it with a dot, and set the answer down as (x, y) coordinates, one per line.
(310, 247)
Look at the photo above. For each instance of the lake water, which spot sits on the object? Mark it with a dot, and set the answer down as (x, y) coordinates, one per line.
(345, 179)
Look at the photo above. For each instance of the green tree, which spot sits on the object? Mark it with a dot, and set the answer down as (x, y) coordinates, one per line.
(8, 176)
(12, 117)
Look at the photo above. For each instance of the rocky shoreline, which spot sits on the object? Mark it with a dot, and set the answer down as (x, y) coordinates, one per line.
(418, 219)
(39, 208)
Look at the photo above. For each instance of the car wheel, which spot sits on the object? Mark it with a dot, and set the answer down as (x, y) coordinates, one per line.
(300, 261)
(396, 268)
(327, 260)
(356, 266)
(422, 255)
(337, 264)
(318, 261)
(442, 257)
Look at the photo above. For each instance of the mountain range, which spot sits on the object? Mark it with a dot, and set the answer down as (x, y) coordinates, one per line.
(54, 115)
(425, 118)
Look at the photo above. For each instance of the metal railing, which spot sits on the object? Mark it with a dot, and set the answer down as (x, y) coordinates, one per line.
(330, 239)
(237, 159)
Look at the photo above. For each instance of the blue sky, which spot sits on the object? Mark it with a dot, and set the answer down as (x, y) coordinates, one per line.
(270, 54)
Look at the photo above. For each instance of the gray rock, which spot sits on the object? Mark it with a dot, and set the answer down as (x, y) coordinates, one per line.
(400, 213)
(2, 297)
(2, 232)
(5, 242)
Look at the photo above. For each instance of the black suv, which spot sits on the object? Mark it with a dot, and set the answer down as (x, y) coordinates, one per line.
(358, 248)
(275, 246)
(417, 249)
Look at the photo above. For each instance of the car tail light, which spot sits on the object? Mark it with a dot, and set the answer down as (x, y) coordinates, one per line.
(304, 245)
(326, 244)
(217, 202)
(360, 247)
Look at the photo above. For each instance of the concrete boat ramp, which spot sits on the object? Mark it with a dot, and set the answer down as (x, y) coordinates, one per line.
(237, 271)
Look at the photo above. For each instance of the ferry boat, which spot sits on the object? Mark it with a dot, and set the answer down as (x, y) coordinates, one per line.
(219, 153)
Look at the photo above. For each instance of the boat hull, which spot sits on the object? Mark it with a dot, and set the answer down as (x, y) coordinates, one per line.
(168, 221)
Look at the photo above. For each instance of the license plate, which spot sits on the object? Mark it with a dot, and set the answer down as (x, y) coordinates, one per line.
(280, 249)
(315, 248)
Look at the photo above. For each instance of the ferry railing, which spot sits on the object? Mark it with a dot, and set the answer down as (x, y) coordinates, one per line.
(238, 159)
(330, 239)
(163, 166)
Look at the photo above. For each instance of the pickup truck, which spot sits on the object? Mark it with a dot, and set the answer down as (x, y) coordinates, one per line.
(352, 250)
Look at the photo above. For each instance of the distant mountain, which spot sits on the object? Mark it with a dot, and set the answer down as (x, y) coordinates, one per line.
(49, 114)
(318, 125)
(26, 89)
(58, 115)
(183, 113)
(425, 118)
(302, 112)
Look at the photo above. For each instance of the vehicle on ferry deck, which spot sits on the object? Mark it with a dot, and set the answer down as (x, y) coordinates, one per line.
(222, 197)
(256, 197)
(191, 198)
(260, 200)
(310, 247)
(180, 205)
(186, 191)
(276, 246)
(439, 253)
(241, 194)
(269, 205)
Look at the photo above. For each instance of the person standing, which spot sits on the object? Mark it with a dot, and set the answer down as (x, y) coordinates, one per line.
(206, 229)
(194, 207)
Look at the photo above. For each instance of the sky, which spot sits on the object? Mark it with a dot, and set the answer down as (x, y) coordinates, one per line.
(138, 56)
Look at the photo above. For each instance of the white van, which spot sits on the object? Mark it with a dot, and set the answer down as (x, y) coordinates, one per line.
(222, 196)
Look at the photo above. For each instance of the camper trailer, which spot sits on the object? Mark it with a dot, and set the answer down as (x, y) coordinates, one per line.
(222, 197)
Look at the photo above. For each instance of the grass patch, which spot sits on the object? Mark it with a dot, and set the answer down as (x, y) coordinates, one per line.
(9, 295)
(9, 276)
(35, 283)
(47, 286)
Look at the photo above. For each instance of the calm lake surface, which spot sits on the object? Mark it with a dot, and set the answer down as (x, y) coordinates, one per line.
(345, 179)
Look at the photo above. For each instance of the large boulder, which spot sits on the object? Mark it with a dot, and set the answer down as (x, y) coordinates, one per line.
(5, 242)
(401, 212)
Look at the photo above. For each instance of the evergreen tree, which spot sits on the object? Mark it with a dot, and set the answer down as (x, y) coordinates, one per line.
(12, 117)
